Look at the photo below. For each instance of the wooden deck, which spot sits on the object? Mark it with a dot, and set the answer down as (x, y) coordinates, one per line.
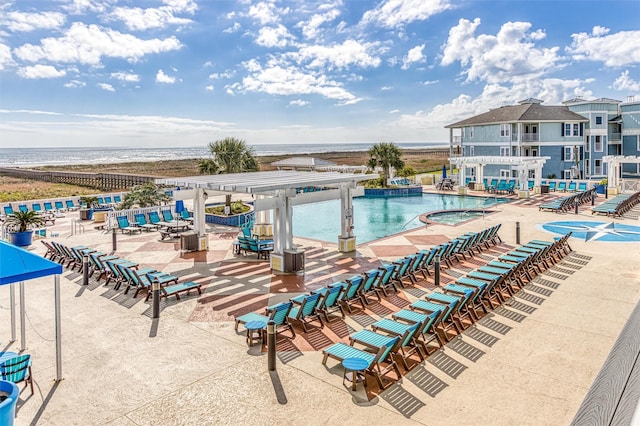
(102, 181)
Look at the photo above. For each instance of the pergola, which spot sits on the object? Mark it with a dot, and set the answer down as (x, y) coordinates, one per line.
(613, 170)
(277, 191)
(523, 165)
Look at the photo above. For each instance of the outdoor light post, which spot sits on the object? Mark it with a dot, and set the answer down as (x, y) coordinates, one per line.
(517, 232)
(114, 240)
(576, 205)
(271, 345)
(85, 269)
(156, 299)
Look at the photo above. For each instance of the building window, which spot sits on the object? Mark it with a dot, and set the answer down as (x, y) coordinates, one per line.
(471, 151)
(566, 174)
(471, 131)
(638, 142)
(597, 167)
(576, 129)
(587, 146)
(505, 130)
(598, 119)
(587, 168)
(597, 147)
(504, 151)
(567, 129)
(568, 153)
(505, 173)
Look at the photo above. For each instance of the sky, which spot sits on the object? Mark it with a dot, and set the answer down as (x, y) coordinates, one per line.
(175, 73)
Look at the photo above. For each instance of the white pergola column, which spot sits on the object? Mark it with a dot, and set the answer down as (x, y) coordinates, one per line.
(346, 239)
(480, 177)
(462, 188)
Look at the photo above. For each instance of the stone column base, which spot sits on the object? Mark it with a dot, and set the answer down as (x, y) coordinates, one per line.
(612, 190)
(462, 190)
(345, 245)
(523, 193)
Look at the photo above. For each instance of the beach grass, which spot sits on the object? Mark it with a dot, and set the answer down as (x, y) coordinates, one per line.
(14, 189)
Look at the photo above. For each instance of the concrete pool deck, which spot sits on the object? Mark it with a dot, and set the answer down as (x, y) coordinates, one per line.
(528, 363)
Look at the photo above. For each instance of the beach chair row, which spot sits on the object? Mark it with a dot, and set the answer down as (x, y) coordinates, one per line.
(502, 186)
(446, 312)
(58, 206)
(618, 205)
(568, 203)
(400, 181)
(152, 221)
(117, 270)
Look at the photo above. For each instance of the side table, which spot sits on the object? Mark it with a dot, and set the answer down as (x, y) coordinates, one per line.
(255, 331)
(354, 371)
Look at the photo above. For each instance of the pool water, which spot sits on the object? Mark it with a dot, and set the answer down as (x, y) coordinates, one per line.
(378, 217)
(455, 217)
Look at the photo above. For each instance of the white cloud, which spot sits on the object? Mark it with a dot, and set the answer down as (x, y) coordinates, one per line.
(25, 21)
(509, 56)
(394, 13)
(311, 28)
(124, 76)
(289, 81)
(188, 6)
(87, 44)
(429, 82)
(299, 102)
(266, 12)
(40, 71)
(209, 88)
(107, 87)
(394, 111)
(233, 29)
(339, 56)
(5, 56)
(414, 55)
(161, 77)
(277, 36)
(624, 82)
(74, 84)
(218, 75)
(138, 19)
(613, 50)
(78, 7)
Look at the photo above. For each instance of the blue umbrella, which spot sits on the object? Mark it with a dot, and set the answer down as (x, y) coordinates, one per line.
(444, 172)
(179, 206)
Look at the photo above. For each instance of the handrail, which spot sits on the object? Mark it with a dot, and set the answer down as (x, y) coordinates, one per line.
(76, 227)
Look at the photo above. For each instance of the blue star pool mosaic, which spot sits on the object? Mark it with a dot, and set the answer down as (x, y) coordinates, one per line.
(596, 231)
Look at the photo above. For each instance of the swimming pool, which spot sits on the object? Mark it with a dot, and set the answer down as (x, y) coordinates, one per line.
(378, 217)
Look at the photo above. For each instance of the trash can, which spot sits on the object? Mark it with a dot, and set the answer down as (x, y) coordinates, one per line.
(9, 393)
(189, 241)
(544, 189)
(293, 260)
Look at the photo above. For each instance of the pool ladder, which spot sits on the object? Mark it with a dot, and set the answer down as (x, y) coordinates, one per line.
(76, 227)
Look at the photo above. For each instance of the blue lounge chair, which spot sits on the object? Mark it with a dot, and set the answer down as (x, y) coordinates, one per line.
(342, 351)
(562, 186)
(386, 273)
(369, 287)
(167, 216)
(530, 185)
(23, 208)
(141, 222)
(278, 313)
(107, 200)
(17, 369)
(124, 226)
(572, 187)
(36, 207)
(307, 310)
(142, 280)
(552, 186)
(351, 293)
(8, 210)
(582, 186)
(331, 299)
(185, 215)
(48, 207)
(117, 199)
(71, 206)
(409, 343)
(428, 332)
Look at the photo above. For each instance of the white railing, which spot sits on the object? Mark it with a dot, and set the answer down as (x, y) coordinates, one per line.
(112, 222)
(76, 227)
(630, 185)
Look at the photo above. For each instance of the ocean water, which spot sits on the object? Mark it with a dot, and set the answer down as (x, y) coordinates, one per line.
(26, 157)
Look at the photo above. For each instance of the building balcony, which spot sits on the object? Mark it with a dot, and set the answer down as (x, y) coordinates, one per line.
(526, 137)
(615, 137)
(457, 140)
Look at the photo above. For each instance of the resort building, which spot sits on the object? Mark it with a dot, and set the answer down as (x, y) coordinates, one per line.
(576, 136)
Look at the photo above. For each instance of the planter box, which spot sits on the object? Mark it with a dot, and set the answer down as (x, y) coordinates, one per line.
(21, 239)
(392, 192)
(237, 220)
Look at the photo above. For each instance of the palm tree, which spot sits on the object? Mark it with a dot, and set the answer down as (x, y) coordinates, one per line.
(385, 155)
(146, 195)
(229, 155)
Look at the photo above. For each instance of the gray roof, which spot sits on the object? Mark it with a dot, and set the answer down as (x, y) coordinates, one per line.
(521, 113)
(303, 162)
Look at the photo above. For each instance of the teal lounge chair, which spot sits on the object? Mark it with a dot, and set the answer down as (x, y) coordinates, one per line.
(185, 215)
(8, 210)
(36, 207)
(59, 206)
(278, 313)
(562, 186)
(351, 294)
(107, 200)
(23, 208)
(141, 222)
(386, 274)
(125, 227)
(17, 369)
(582, 186)
(167, 216)
(428, 332)
(307, 310)
(572, 187)
(70, 205)
(142, 280)
(409, 343)
(331, 299)
(48, 207)
(552, 186)
(369, 287)
(342, 351)
(117, 199)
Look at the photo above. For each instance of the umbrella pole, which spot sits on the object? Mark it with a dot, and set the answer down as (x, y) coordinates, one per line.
(23, 334)
(56, 297)
(12, 301)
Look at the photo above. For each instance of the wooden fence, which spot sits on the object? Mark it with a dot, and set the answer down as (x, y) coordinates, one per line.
(102, 181)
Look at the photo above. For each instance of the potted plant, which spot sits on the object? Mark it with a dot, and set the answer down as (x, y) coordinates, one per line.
(21, 224)
(601, 188)
(87, 203)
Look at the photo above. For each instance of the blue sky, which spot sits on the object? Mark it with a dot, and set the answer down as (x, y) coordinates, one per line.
(186, 72)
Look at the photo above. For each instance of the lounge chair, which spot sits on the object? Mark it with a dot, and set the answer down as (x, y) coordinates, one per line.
(107, 200)
(330, 301)
(342, 351)
(492, 185)
(582, 186)
(530, 184)
(278, 313)
(8, 210)
(48, 207)
(185, 215)
(124, 226)
(408, 333)
(427, 332)
(17, 369)
(71, 206)
(117, 199)
(23, 208)
(307, 309)
(571, 187)
(386, 273)
(552, 186)
(142, 280)
(351, 293)
(167, 216)
(368, 287)
(141, 222)
(562, 186)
